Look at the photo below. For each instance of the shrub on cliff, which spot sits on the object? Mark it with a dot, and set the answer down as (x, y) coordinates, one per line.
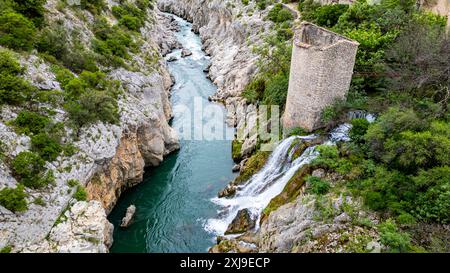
(30, 123)
(14, 199)
(13, 89)
(16, 31)
(47, 147)
(393, 238)
(90, 97)
(29, 169)
(80, 194)
(53, 40)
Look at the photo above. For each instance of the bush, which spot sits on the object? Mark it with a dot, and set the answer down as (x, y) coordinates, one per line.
(395, 240)
(112, 45)
(425, 149)
(328, 157)
(91, 97)
(79, 59)
(13, 89)
(328, 15)
(16, 31)
(80, 194)
(94, 6)
(261, 4)
(391, 123)
(9, 65)
(31, 123)
(72, 183)
(317, 185)
(130, 22)
(53, 40)
(130, 16)
(276, 90)
(254, 91)
(14, 199)
(359, 129)
(47, 148)
(28, 168)
(432, 203)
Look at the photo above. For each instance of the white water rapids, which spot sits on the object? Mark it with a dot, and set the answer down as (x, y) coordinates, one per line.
(259, 190)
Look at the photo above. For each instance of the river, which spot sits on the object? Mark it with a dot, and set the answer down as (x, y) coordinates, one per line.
(173, 202)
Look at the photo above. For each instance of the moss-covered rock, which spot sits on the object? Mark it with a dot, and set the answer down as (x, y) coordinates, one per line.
(236, 147)
(290, 192)
(253, 164)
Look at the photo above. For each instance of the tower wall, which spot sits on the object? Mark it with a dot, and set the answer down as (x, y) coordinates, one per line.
(321, 71)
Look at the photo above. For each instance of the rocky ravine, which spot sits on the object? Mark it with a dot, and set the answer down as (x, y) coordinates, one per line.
(229, 30)
(110, 158)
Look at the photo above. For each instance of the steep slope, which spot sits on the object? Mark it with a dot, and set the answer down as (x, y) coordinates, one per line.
(108, 158)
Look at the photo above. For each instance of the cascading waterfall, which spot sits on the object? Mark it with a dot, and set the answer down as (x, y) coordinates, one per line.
(257, 192)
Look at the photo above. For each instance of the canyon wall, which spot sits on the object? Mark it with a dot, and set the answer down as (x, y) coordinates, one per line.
(109, 158)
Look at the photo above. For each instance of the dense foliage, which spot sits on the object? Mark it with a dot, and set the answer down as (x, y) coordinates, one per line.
(13, 199)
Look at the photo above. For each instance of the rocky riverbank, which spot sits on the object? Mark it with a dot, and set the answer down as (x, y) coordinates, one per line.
(109, 158)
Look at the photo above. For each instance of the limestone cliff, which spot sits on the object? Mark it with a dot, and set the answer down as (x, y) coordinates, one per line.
(109, 158)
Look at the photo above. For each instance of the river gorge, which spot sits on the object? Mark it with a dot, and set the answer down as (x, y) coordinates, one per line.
(173, 203)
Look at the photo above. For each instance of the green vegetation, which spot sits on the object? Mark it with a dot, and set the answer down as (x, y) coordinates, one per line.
(90, 97)
(29, 169)
(278, 14)
(6, 249)
(72, 183)
(80, 194)
(236, 146)
(14, 199)
(393, 238)
(14, 90)
(290, 192)
(317, 185)
(111, 43)
(252, 166)
(17, 32)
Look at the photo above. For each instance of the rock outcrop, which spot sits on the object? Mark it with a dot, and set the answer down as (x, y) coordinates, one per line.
(241, 223)
(129, 215)
(83, 229)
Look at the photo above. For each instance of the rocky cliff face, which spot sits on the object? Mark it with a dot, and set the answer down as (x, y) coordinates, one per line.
(110, 158)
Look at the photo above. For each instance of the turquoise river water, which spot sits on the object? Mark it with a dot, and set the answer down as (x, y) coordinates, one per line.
(174, 200)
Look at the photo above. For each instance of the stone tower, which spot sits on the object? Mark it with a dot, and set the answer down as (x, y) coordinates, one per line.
(321, 71)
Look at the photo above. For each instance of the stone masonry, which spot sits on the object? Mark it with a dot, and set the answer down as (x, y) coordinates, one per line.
(321, 71)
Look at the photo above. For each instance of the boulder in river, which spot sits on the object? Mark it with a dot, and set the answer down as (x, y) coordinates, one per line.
(236, 168)
(128, 219)
(228, 191)
(172, 59)
(241, 223)
(185, 52)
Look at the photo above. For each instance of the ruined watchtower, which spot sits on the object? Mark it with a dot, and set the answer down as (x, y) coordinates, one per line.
(321, 71)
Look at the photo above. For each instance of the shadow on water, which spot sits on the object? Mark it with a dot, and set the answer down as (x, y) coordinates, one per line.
(174, 200)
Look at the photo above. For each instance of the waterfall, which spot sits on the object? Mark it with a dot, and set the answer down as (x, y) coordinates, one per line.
(257, 192)
(270, 181)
